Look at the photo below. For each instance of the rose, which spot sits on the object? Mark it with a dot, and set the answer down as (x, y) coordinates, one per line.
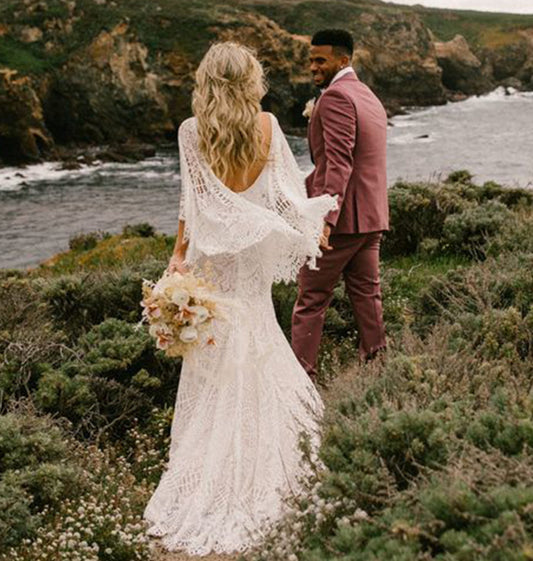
(188, 334)
(200, 313)
(309, 106)
(163, 335)
(180, 297)
(151, 309)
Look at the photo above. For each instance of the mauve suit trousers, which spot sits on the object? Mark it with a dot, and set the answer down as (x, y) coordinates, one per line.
(355, 257)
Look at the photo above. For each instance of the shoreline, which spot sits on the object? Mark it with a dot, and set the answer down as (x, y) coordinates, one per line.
(74, 157)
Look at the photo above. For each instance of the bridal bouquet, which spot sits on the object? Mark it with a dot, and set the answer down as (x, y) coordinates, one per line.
(179, 309)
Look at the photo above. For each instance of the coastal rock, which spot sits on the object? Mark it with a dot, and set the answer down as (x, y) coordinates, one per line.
(512, 59)
(23, 133)
(107, 92)
(396, 57)
(99, 80)
(462, 71)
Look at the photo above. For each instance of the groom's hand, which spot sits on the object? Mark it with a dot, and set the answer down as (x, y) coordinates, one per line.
(324, 238)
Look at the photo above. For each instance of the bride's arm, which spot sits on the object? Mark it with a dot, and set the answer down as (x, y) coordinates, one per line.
(178, 254)
(296, 179)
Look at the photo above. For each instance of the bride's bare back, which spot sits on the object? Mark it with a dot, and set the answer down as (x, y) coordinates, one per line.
(245, 178)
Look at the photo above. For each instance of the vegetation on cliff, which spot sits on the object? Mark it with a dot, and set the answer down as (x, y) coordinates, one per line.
(106, 72)
(427, 452)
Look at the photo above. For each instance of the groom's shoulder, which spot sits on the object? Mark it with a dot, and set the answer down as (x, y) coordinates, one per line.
(337, 94)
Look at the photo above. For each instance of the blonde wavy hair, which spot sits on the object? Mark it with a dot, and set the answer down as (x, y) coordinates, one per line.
(230, 83)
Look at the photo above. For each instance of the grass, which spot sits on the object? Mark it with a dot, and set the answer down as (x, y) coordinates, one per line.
(480, 29)
(436, 435)
(187, 27)
(24, 58)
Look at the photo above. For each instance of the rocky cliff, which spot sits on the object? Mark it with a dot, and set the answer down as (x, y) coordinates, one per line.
(86, 72)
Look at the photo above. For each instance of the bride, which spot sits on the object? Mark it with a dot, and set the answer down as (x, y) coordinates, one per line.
(244, 402)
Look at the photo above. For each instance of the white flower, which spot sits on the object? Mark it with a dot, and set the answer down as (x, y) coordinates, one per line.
(180, 297)
(163, 335)
(201, 314)
(309, 106)
(360, 514)
(189, 334)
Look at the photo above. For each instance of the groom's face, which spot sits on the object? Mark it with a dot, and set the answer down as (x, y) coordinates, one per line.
(324, 63)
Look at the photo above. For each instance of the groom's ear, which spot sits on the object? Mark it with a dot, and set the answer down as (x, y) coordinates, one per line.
(344, 58)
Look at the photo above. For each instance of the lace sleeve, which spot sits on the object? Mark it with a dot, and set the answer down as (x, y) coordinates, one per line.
(289, 199)
(220, 221)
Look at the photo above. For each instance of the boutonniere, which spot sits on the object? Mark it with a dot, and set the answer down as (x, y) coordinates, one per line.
(309, 106)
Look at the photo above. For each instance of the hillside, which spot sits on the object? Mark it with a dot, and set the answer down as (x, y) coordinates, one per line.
(79, 72)
(427, 453)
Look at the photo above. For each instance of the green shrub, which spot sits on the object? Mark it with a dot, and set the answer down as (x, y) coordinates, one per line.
(462, 176)
(26, 440)
(141, 230)
(35, 472)
(86, 241)
(17, 521)
(496, 284)
(79, 301)
(84, 503)
(115, 374)
(469, 232)
(418, 211)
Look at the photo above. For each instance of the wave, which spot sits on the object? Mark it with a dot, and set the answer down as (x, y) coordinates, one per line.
(17, 178)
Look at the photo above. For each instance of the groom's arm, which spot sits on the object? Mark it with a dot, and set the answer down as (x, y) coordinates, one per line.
(338, 118)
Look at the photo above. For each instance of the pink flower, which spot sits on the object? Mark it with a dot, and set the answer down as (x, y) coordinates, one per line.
(164, 340)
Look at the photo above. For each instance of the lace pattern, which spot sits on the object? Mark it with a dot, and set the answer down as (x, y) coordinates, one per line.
(243, 404)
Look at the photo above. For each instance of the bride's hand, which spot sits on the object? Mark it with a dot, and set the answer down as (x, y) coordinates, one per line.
(176, 265)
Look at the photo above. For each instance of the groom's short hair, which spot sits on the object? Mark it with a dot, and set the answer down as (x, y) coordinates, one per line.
(340, 39)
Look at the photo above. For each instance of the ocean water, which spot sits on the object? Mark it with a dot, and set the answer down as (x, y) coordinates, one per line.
(42, 206)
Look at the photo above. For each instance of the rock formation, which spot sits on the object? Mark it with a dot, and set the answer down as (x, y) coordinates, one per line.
(462, 71)
(88, 72)
(395, 56)
(23, 134)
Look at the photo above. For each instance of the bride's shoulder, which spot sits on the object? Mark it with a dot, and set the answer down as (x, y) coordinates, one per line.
(268, 115)
(270, 119)
(187, 124)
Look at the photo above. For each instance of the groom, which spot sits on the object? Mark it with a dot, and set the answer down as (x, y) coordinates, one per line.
(347, 139)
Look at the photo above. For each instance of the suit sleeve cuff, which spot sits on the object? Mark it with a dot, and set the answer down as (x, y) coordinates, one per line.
(331, 218)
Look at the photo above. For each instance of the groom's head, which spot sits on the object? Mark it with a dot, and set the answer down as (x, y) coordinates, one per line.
(331, 50)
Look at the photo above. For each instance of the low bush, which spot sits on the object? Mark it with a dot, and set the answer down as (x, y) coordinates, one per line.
(115, 375)
(141, 230)
(469, 232)
(67, 501)
(455, 216)
(79, 301)
(87, 240)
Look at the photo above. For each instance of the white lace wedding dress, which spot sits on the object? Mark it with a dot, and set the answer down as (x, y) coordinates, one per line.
(243, 403)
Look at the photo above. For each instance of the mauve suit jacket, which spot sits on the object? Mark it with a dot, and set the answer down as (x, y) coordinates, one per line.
(347, 136)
